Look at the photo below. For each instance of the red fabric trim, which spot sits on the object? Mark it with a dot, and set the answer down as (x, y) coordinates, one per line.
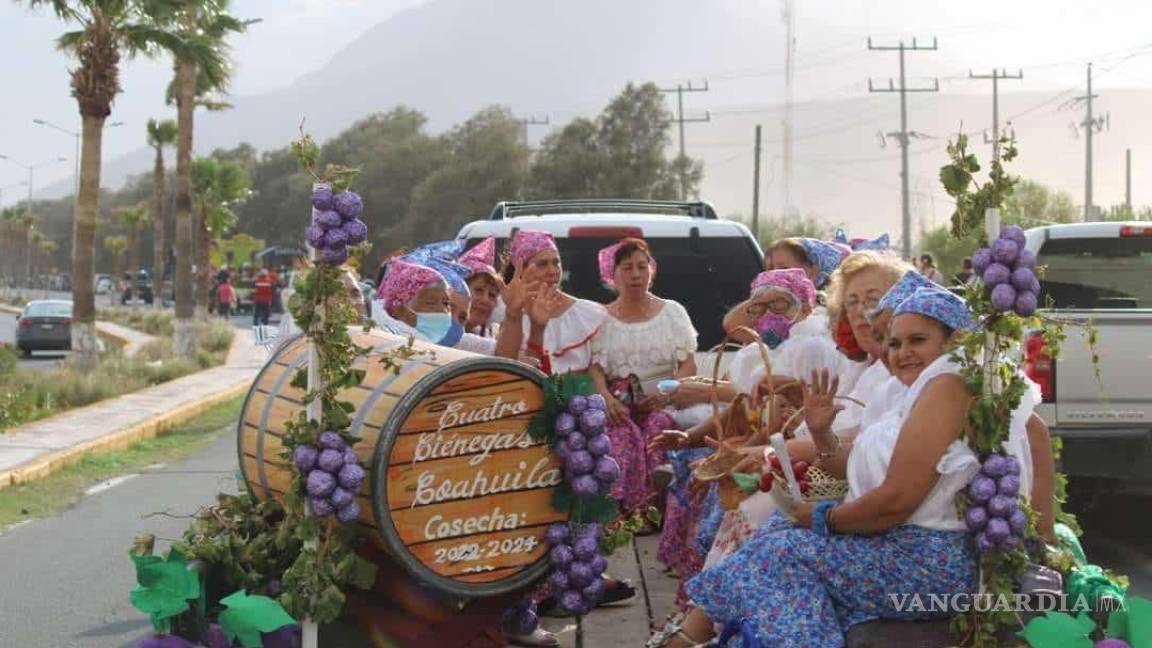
(578, 344)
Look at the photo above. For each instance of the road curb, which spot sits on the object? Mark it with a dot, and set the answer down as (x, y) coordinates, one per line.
(119, 440)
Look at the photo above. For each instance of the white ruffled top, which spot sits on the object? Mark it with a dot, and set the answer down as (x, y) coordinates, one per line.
(567, 338)
(872, 452)
(651, 349)
(809, 348)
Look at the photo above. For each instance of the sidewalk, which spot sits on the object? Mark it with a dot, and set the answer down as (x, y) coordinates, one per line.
(37, 449)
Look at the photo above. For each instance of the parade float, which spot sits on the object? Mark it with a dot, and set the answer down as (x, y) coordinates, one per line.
(420, 492)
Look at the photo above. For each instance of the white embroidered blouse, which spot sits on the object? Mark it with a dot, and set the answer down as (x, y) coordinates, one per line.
(651, 349)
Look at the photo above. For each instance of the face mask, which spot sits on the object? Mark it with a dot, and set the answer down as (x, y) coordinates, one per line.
(773, 328)
(452, 337)
(433, 326)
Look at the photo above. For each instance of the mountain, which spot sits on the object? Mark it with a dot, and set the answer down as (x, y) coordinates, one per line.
(449, 58)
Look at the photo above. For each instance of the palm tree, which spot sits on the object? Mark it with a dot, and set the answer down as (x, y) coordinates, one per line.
(196, 30)
(160, 134)
(133, 218)
(27, 222)
(217, 187)
(116, 246)
(108, 29)
(8, 220)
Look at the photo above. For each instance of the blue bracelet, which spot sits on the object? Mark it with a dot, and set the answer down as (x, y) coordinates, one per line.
(820, 517)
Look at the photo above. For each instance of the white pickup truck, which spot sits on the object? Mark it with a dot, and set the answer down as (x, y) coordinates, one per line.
(1099, 273)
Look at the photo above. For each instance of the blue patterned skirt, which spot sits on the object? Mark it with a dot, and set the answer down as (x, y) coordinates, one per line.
(796, 589)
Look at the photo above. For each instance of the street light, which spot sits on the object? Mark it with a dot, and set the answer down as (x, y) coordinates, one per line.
(31, 170)
(75, 135)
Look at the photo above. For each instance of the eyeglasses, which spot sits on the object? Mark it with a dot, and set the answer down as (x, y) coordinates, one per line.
(868, 304)
(779, 305)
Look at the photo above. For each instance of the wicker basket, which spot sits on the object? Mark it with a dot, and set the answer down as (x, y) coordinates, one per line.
(821, 486)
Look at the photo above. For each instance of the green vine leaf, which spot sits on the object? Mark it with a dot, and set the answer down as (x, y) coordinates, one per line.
(248, 616)
(1059, 630)
(165, 587)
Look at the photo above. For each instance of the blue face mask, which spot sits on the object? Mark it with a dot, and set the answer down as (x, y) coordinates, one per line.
(452, 337)
(433, 326)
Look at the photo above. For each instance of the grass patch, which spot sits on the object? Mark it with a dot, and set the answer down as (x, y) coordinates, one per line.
(27, 396)
(52, 494)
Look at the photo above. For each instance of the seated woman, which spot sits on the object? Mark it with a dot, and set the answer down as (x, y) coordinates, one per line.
(806, 583)
(414, 302)
(644, 339)
(485, 311)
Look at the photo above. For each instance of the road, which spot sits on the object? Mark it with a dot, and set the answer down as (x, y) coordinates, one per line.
(74, 575)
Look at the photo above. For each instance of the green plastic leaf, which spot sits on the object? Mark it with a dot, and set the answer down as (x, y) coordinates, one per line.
(747, 482)
(1133, 623)
(248, 616)
(165, 587)
(1059, 630)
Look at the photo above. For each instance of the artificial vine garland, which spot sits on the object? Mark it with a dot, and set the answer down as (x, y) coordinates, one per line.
(1005, 302)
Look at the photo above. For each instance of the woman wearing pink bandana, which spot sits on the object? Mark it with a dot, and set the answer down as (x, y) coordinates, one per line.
(646, 339)
(534, 271)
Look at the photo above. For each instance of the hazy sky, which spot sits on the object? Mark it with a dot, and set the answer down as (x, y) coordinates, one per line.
(1050, 39)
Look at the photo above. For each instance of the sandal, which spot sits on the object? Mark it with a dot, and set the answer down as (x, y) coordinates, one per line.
(537, 638)
(672, 629)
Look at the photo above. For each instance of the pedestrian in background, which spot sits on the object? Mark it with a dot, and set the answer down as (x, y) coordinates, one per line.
(225, 298)
(928, 268)
(964, 277)
(261, 299)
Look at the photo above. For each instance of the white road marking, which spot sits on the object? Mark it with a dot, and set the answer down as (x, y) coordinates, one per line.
(108, 484)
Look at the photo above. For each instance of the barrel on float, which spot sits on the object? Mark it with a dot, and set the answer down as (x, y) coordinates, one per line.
(457, 493)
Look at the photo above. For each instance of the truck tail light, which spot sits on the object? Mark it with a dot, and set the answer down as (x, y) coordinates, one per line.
(1135, 230)
(605, 232)
(1039, 366)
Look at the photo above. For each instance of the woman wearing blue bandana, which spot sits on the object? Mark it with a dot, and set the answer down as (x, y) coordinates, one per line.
(803, 580)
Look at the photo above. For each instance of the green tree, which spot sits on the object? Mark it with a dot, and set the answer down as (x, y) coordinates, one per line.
(1033, 204)
(108, 29)
(775, 228)
(486, 164)
(133, 219)
(160, 134)
(217, 188)
(196, 36)
(116, 246)
(621, 154)
(1126, 213)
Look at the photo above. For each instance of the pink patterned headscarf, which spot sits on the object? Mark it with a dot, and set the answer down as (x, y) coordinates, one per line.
(481, 257)
(403, 281)
(790, 280)
(528, 243)
(607, 259)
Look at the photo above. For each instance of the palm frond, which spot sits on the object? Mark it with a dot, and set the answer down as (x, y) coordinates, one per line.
(69, 41)
(62, 8)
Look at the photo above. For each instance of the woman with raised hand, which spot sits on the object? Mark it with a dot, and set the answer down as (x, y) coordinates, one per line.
(534, 263)
(805, 583)
(644, 339)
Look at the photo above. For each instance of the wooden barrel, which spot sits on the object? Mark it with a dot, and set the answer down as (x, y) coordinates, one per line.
(457, 492)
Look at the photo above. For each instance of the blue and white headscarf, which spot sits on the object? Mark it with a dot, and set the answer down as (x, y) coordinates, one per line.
(441, 258)
(878, 244)
(939, 304)
(903, 289)
(825, 257)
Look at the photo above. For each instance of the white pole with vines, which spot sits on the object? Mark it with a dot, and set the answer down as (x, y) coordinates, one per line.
(309, 629)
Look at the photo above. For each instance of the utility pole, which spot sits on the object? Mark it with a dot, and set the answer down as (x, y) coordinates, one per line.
(1128, 180)
(903, 134)
(756, 189)
(996, 76)
(680, 120)
(1092, 125)
(789, 18)
(525, 122)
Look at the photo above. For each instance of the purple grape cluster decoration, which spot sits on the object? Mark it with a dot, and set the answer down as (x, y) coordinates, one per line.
(577, 566)
(584, 447)
(520, 619)
(336, 224)
(332, 476)
(995, 515)
(1008, 269)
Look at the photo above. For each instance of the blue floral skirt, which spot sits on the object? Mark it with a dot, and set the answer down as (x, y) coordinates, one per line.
(796, 589)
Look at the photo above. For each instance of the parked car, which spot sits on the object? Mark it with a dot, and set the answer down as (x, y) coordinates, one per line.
(704, 262)
(1097, 274)
(44, 325)
(143, 285)
(104, 284)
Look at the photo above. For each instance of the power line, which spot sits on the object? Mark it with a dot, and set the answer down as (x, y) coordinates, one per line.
(995, 77)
